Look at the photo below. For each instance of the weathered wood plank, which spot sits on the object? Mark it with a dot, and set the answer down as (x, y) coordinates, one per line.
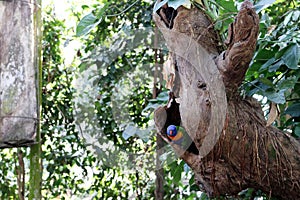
(18, 74)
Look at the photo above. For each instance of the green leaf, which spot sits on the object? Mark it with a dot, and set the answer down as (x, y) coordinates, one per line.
(276, 96)
(129, 131)
(296, 15)
(287, 83)
(163, 96)
(263, 4)
(293, 110)
(266, 81)
(268, 63)
(204, 196)
(84, 7)
(192, 180)
(281, 52)
(86, 24)
(151, 106)
(228, 5)
(218, 25)
(297, 131)
(275, 66)
(264, 54)
(163, 158)
(143, 134)
(287, 18)
(177, 173)
(176, 3)
(291, 57)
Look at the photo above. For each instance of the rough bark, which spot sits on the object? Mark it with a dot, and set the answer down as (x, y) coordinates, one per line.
(236, 148)
(18, 74)
(159, 172)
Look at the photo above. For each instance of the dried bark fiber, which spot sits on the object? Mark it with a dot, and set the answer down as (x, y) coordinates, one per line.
(236, 148)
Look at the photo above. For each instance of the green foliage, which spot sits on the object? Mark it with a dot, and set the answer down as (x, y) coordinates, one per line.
(90, 21)
(118, 62)
(8, 172)
(124, 105)
(98, 140)
(123, 86)
(63, 152)
(274, 72)
(87, 23)
(262, 4)
(172, 3)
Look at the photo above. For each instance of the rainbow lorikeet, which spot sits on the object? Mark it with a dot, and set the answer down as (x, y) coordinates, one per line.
(179, 136)
(175, 134)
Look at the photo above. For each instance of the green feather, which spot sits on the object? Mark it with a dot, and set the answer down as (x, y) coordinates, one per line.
(186, 138)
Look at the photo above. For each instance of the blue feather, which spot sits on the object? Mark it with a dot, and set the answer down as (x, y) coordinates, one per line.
(175, 135)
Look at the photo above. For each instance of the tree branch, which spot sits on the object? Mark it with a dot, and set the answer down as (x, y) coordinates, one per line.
(241, 41)
(236, 148)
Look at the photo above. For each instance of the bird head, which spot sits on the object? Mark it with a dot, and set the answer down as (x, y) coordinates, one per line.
(172, 131)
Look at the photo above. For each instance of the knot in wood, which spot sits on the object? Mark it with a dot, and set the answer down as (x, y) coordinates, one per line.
(201, 85)
(207, 102)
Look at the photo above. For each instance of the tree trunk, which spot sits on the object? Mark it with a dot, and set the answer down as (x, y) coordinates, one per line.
(236, 149)
(159, 171)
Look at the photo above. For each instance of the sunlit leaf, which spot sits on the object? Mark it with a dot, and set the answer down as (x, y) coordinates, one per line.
(287, 18)
(157, 5)
(129, 131)
(86, 24)
(296, 15)
(176, 3)
(84, 7)
(144, 134)
(263, 4)
(228, 5)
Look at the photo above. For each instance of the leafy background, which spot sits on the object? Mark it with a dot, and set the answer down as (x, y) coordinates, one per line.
(99, 81)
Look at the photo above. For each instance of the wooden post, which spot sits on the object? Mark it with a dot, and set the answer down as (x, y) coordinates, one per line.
(35, 182)
(18, 74)
(20, 82)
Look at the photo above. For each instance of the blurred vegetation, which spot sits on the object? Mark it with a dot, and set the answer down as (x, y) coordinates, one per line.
(97, 123)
